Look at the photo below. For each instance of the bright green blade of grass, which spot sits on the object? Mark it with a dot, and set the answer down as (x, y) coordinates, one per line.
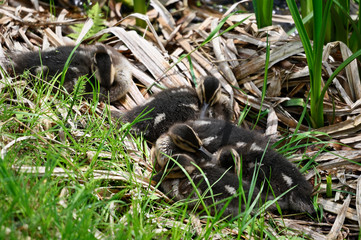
(329, 186)
(265, 78)
(301, 30)
(316, 69)
(338, 70)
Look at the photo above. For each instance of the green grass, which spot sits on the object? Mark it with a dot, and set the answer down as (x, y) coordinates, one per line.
(96, 14)
(340, 26)
(98, 189)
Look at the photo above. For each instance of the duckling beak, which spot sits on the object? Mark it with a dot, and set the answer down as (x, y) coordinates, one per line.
(205, 151)
(204, 110)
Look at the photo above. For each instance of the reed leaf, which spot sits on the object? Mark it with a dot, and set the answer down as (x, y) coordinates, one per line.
(263, 10)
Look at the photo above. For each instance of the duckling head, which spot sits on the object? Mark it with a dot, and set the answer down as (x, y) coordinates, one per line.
(209, 93)
(103, 68)
(112, 70)
(228, 157)
(184, 137)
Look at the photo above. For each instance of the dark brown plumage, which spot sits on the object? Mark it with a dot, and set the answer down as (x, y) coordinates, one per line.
(180, 104)
(216, 133)
(100, 63)
(274, 170)
(235, 147)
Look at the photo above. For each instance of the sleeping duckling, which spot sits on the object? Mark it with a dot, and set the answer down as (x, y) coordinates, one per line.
(100, 63)
(230, 142)
(274, 168)
(179, 105)
(234, 146)
(219, 187)
(180, 138)
(204, 136)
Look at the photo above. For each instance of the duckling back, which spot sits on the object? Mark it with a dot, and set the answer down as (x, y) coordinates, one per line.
(51, 62)
(273, 170)
(163, 110)
(217, 133)
(103, 66)
(180, 104)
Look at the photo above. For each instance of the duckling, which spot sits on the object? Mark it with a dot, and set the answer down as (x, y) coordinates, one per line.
(99, 62)
(274, 168)
(179, 104)
(231, 146)
(219, 187)
(179, 138)
(204, 136)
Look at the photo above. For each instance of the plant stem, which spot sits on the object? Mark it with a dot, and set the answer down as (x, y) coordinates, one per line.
(263, 10)
(140, 7)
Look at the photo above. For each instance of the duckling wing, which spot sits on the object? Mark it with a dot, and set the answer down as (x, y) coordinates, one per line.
(217, 133)
(54, 61)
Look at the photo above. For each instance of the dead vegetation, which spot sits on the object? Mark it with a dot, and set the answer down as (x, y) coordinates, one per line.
(237, 58)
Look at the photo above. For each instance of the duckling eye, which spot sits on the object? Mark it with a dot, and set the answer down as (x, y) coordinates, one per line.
(185, 145)
(209, 90)
(200, 93)
(212, 99)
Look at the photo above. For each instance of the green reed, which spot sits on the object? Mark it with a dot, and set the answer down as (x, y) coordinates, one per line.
(263, 10)
(314, 54)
